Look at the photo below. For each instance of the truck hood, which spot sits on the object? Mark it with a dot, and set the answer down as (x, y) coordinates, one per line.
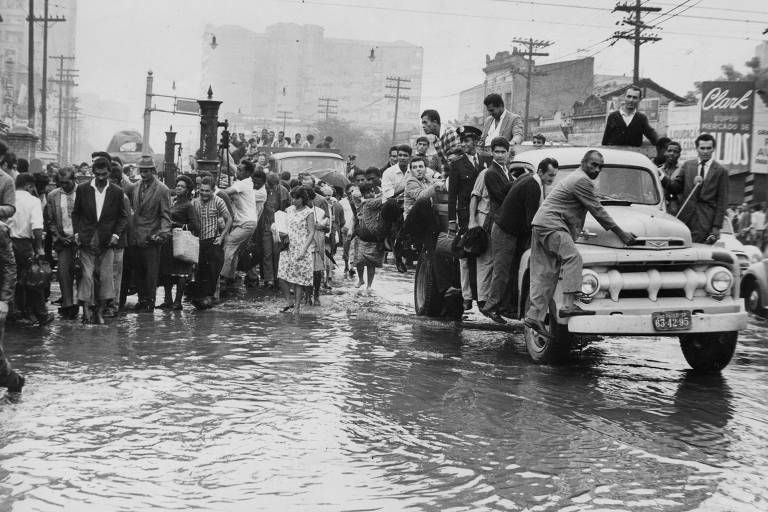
(654, 228)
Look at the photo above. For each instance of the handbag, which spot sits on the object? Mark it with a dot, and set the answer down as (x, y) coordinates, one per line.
(37, 275)
(186, 246)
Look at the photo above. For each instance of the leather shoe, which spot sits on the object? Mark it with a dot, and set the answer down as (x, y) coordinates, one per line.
(467, 305)
(538, 327)
(574, 311)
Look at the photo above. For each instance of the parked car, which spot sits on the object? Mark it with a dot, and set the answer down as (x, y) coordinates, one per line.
(662, 285)
(745, 254)
(754, 287)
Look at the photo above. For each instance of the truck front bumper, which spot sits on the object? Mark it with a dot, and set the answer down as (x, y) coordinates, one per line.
(634, 321)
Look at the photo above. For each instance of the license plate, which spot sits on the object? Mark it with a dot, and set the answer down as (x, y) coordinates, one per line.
(672, 320)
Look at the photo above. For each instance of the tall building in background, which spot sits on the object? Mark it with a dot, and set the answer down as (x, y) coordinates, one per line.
(14, 55)
(264, 78)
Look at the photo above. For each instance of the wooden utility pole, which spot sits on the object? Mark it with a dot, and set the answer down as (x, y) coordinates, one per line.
(60, 80)
(531, 45)
(397, 80)
(44, 93)
(328, 106)
(285, 116)
(636, 35)
(31, 67)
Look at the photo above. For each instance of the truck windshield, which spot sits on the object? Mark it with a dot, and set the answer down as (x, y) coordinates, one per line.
(297, 164)
(625, 184)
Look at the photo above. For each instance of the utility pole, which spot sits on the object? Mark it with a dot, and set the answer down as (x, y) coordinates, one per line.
(60, 81)
(328, 106)
(285, 116)
(531, 45)
(31, 67)
(636, 35)
(147, 114)
(44, 93)
(397, 80)
(65, 79)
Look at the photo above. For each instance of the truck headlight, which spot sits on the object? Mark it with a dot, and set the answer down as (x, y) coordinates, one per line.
(719, 280)
(590, 283)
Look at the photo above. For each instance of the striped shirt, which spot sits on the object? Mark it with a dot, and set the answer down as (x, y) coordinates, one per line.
(209, 214)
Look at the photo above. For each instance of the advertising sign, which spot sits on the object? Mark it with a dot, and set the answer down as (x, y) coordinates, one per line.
(760, 138)
(726, 113)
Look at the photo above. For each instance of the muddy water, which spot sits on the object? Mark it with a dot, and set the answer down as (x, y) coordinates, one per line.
(242, 408)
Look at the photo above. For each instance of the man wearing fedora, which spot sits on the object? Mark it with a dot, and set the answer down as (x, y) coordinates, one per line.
(151, 225)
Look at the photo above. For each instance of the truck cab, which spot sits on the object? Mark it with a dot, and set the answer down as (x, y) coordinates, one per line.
(662, 285)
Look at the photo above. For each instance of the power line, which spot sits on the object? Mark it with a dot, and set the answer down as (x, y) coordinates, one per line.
(639, 27)
(531, 45)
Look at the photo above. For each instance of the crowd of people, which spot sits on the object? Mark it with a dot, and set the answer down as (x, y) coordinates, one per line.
(109, 237)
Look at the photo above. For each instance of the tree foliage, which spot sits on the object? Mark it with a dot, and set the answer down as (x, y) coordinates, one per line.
(756, 71)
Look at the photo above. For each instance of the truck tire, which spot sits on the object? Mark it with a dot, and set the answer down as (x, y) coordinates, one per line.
(751, 294)
(426, 298)
(555, 350)
(709, 352)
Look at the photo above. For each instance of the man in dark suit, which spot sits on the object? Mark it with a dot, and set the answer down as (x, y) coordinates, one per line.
(703, 187)
(499, 123)
(99, 219)
(511, 231)
(151, 225)
(627, 126)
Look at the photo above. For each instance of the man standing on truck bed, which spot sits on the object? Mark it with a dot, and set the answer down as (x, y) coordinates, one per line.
(626, 126)
(556, 226)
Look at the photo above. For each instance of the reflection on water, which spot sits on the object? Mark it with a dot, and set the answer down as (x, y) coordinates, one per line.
(231, 410)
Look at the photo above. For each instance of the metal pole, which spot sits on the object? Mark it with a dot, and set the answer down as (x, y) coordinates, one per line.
(147, 114)
(528, 90)
(31, 67)
(636, 70)
(397, 105)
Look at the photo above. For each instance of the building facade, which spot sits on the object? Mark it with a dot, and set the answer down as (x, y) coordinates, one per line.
(554, 86)
(293, 73)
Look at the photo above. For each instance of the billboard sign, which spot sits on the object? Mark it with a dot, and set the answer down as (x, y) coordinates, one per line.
(726, 113)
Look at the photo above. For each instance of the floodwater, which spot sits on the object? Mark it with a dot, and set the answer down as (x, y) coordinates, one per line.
(244, 408)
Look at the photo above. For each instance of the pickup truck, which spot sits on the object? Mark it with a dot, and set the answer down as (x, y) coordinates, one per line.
(662, 285)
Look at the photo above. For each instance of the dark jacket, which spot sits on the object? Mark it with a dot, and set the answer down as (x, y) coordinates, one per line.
(515, 214)
(617, 133)
(151, 212)
(461, 181)
(706, 208)
(498, 184)
(7, 265)
(113, 220)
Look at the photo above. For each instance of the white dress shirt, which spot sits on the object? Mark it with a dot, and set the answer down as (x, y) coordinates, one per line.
(99, 198)
(28, 216)
(392, 179)
(493, 130)
(707, 166)
(627, 117)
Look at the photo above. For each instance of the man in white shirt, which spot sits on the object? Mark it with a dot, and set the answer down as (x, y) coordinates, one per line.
(393, 179)
(26, 230)
(247, 205)
(499, 123)
(280, 141)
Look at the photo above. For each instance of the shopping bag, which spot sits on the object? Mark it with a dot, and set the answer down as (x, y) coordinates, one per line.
(186, 246)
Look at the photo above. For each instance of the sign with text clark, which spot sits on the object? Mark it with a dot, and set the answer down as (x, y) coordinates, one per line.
(726, 113)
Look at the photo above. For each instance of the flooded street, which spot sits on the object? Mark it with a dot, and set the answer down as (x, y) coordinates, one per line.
(360, 405)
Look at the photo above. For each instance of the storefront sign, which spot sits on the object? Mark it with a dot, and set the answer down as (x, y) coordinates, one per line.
(726, 113)
(760, 138)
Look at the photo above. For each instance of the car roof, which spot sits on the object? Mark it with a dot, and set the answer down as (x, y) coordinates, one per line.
(313, 154)
(570, 156)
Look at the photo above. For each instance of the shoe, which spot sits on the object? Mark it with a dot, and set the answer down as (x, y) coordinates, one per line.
(538, 327)
(165, 305)
(46, 320)
(467, 305)
(574, 311)
(507, 314)
(24, 322)
(496, 317)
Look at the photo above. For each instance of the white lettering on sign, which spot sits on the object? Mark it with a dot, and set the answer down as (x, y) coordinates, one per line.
(718, 99)
(732, 148)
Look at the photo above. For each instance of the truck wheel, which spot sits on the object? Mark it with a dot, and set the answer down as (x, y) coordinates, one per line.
(709, 352)
(555, 350)
(426, 298)
(751, 294)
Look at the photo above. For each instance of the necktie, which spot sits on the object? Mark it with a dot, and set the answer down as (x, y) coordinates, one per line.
(701, 170)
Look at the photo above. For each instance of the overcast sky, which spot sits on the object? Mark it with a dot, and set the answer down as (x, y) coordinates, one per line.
(119, 41)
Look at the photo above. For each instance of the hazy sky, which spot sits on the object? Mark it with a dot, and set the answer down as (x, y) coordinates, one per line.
(119, 41)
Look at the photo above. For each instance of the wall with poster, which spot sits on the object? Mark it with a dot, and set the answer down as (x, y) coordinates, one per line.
(726, 113)
(683, 127)
(760, 137)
